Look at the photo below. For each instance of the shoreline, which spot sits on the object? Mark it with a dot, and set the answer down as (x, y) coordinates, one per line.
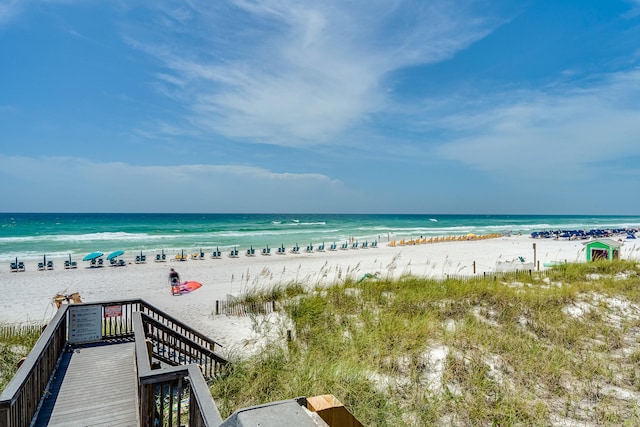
(28, 295)
(31, 236)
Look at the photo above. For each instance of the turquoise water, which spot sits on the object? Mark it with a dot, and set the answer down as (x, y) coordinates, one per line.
(32, 235)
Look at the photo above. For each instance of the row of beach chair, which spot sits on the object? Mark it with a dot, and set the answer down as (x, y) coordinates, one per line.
(216, 254)
(437, 239)
(251, 252)
(296, 249)
(42, 266)
(68, 264)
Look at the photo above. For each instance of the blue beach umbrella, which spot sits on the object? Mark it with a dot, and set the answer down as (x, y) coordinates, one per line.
(114, 254)
(92, 255)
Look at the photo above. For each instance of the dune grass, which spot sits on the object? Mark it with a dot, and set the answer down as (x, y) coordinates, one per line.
(15, 343)
(559, 348)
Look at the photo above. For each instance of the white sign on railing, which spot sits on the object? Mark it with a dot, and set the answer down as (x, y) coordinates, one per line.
(85, 323)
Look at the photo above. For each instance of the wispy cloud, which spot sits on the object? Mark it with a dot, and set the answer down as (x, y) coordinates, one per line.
(568, 132)
(295, 73)
(181, 188)
(634, 10)
(9, 9)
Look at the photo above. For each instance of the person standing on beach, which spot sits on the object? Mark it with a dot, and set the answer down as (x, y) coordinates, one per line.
(174, 278)
(174, 282)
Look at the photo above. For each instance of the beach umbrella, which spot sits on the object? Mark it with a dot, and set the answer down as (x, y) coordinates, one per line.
(92, 255)
(69, 258)
(114, 254)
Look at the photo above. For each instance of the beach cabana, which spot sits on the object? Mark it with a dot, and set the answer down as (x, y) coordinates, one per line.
(602, 249)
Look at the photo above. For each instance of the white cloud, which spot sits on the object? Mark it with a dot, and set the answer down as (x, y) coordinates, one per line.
(64, 184)
(296, 73)
(565, 133)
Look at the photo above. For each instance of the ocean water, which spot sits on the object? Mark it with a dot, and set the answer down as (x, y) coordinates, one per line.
(32, 235)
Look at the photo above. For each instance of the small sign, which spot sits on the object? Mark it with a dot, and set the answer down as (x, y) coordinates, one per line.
(112, 311)
(85, 323)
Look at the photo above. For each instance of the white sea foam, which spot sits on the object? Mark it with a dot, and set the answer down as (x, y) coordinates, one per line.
(83, 237)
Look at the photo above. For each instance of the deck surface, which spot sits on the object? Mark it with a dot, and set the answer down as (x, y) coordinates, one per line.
(95, 385)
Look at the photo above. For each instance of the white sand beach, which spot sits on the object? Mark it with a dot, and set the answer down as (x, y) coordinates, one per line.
(27, 296)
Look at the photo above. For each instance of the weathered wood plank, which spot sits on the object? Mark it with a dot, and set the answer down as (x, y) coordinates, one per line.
(95, 385)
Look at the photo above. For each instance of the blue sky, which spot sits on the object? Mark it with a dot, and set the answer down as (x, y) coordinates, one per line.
(318, 107)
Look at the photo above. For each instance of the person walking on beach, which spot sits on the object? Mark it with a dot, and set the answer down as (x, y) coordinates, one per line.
(174, 277)
(174, 280)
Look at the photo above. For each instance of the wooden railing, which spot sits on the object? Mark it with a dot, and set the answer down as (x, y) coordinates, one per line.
(20, 399)
(175, 344)
(174, 348)
(120, 326)
(178, 326)
(162, 392)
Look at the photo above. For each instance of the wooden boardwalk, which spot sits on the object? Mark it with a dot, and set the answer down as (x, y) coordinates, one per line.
(95, 385)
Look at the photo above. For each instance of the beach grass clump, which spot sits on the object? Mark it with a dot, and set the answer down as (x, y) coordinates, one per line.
(554, 348)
